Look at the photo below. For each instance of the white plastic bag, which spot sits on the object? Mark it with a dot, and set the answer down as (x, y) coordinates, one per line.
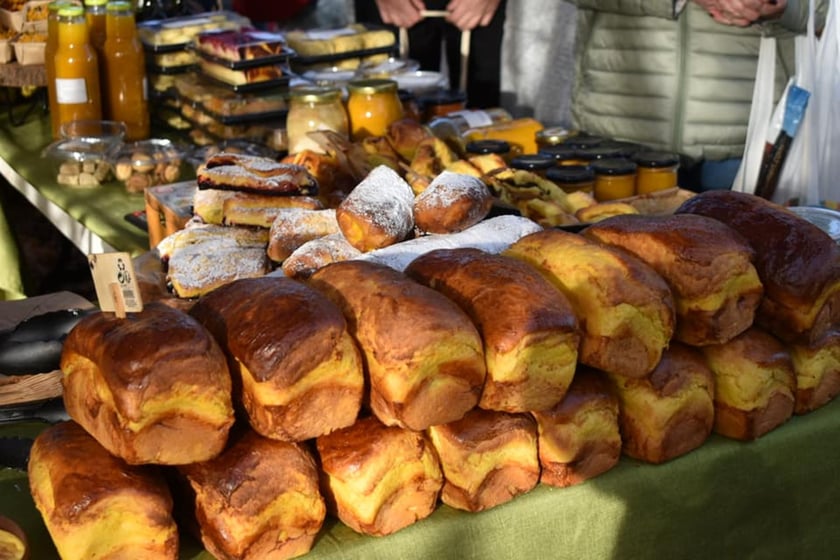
(761, 113)
(827, 108)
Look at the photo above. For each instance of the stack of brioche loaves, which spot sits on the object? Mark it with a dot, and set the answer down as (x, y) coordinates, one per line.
(374, 393)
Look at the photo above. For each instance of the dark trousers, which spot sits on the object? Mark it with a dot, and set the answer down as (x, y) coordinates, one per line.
(425, 40)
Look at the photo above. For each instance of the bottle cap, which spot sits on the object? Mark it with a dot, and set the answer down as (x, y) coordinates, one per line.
(372, 86)
(533, 162)
(71, 10)
(570, 174)
(488, 146)
(656, 159)
(613, 167)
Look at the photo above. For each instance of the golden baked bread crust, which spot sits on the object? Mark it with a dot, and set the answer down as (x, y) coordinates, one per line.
(488, 458)
(299, 370)
(579, 437)
(626, 310)
(378, 212)
(707, 265)
(754, 384)
(258, 500)
(529, 330)
(451, 203)
(151, 388)
(671, 411)
(424, 357)
(95, 505)
(797, 262)
(817, 368)
(379, 479)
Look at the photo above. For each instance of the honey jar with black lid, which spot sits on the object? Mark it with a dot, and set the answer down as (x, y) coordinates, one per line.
(614, 178)
(656, 171)
(572, 178)
(535, 163)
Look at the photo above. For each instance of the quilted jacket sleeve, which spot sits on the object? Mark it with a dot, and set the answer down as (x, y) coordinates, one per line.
(795, 16)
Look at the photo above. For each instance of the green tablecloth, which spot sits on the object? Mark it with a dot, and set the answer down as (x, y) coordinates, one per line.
(11, 283)
(773, 498)
(100, 210)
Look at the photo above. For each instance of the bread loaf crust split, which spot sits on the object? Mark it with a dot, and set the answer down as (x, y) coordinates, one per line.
(96, 505)
(626, 310)
(259, 499)
(423, 355)
(300, 370)
(488, 458)
(529, 330)
(671, 411)
(151, 388)
(798, 263)
(579, 437)
(707, 265)
(379, 479)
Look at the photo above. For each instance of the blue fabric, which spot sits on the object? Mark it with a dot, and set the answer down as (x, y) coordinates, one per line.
(718, 175)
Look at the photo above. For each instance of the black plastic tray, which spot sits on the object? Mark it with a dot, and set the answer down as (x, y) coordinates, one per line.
(282, 58)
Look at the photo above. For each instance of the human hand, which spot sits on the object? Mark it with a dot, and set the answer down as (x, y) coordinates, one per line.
(402, 13)
(469, 14)
(742, 12)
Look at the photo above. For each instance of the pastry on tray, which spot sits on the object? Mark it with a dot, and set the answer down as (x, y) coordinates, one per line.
(254, 174)
(246, 44)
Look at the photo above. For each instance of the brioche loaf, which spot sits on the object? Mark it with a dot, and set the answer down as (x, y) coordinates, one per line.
(379, 479)
(798, 263)
(625, 308)
(451, 203)
(289, 349)
(579, 437)
(424, 356)
(817, 368)
(754, 384)
(488, 458)
(378, 212)
(94, 504)
(707, 265)
(529, 330)
(259, 499)
(151, 388)
(670, 412)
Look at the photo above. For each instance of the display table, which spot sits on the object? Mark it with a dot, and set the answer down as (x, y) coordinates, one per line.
(93, 219)
(773, 498)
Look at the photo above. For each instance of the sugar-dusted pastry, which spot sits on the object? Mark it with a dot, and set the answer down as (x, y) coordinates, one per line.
(293, 227)
(451, 203)
(317, 253)
(254, 174)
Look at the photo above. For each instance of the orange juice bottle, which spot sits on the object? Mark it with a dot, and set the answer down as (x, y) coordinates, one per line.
(95, 16)
(124, 76)
(49, 60)
(76, 69)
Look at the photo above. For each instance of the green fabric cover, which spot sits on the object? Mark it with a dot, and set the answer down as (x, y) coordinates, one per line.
(11, 283)
(772, 498)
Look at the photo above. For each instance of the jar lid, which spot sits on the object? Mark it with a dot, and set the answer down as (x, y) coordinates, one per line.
(559, 152)
(58, 4)
(583, 141)
(613, 167)
(71, 10)
(553, 135)
(603, 151)
(373, 85)
(118, 6)
(569, 174)
(315, 94)
(532, 162)
(656, 159)
(488, 147)
(95, 2)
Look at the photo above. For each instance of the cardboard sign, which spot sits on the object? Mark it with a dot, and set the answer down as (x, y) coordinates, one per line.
(115, 282)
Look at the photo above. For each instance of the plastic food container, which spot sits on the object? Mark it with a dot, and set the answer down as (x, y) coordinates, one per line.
(146, 163)
(80, 162)
(178, 32)
(109, 132)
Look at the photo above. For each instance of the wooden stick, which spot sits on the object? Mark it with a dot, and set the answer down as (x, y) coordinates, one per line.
(434, 13)
(403, 43)
(465, 60)
(117, 296)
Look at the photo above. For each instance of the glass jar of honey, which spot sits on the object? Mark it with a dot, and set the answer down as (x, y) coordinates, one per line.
(442, 103)
(572, 178)
(124, 77)
(372, 105)
(614, 178)
(314, 108)
(76, 69)
(535, 163)
(656, 171)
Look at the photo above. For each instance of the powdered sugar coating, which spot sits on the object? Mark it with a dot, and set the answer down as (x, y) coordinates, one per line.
(452, 202)
(384, 200)
(314, 254)
(493, 236)
(448, 187)
(197, 269)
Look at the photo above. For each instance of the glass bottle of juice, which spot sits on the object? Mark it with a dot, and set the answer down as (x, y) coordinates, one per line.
(76, 69)
(124, 76)
(49, 60)
(95, 16)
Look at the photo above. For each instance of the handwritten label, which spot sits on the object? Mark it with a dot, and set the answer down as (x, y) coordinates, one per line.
(115, 282)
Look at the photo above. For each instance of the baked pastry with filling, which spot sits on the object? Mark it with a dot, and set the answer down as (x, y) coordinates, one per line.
(817, 369)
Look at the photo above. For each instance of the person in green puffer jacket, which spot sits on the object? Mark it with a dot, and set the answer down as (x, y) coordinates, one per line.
(678, 76)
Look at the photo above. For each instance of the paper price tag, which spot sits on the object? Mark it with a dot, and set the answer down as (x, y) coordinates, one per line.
(115, 282)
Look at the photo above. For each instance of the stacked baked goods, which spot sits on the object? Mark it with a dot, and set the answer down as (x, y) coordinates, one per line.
(374, 390)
